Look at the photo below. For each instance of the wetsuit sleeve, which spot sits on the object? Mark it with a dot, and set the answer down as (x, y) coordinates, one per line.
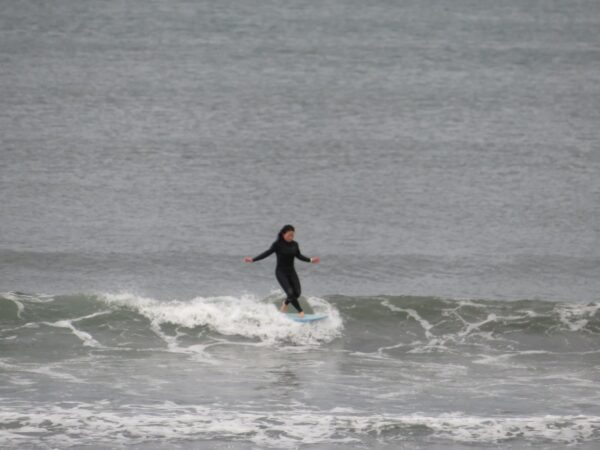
(300, 256)
(264, 254)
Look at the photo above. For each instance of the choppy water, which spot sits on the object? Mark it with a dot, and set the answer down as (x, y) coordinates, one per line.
(441, 158)
(389, 371)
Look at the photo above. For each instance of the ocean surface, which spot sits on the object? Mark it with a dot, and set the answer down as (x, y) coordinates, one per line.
(441, 157)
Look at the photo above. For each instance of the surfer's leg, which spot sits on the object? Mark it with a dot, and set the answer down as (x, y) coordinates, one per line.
(285, 285)
(291, 286)
(295, 283)
(295, 304)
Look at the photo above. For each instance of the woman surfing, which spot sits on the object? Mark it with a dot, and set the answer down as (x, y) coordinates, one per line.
(286, 250)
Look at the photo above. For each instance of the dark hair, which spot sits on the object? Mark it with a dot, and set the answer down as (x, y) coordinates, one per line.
(284, 230)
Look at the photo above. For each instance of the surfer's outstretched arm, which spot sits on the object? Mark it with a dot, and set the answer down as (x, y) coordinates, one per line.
(263, 255)
(301, 257)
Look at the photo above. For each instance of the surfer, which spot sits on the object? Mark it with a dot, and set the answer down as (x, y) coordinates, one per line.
(286, 250)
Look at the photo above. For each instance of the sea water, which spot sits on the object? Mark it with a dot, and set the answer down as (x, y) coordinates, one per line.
(440, 157)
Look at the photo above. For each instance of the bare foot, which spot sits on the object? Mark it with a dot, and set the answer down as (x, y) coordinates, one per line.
(283, 307)
(301, 314)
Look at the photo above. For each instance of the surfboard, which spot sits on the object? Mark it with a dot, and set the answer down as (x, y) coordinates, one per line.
(306, 318)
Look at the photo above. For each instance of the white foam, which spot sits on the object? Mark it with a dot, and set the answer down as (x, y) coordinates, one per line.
(439, 342)
(244, 316)
(415, 315)
(85, 337)
(470, 327)
(47, 370)
(125, 425)
(501, 359)
(197, 351)
(37, 298)
(20, 308)
(576, 316)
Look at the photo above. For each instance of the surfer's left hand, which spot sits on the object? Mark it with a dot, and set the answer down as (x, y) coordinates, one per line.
(315, 260)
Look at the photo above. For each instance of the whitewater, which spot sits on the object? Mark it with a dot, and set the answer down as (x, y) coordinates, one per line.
(441, 158)
(119, 370)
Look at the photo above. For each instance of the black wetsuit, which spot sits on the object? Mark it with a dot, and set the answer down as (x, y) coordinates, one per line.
(284, 271)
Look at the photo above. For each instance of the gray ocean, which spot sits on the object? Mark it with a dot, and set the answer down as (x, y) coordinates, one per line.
(441, 157)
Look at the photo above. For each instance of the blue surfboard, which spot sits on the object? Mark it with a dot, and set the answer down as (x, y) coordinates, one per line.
(307, 317)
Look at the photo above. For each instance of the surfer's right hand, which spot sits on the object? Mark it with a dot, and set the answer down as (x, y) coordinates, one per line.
(248, 259)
